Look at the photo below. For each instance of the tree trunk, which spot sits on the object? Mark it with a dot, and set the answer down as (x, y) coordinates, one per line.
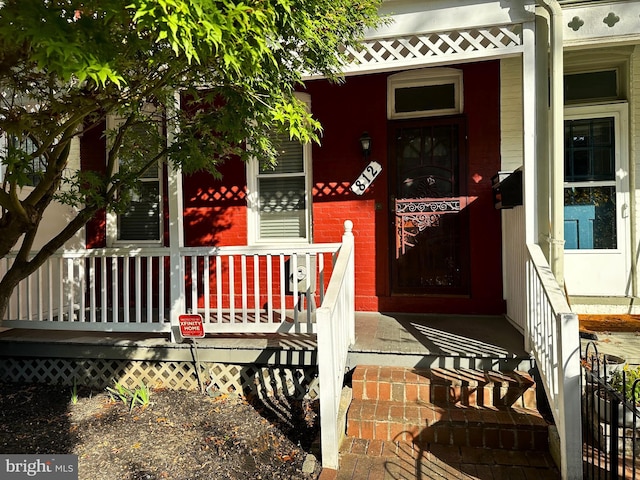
(10, 281)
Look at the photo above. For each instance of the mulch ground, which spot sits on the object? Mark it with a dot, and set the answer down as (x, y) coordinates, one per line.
(179, 435)
(609, 323)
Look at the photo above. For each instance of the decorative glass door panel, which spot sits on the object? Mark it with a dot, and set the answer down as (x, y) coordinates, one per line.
(430, 219)
(590, 184)
(596, 198)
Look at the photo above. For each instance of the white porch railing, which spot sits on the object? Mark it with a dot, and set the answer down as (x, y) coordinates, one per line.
(552, 336)
(336, 333)
(236, 289)
(97, 289)
(257, 289)
(537, 307)
(239, 289)
(515, 255)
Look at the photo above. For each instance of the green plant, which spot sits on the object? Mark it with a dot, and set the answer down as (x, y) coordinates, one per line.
(141, 395)
(120, 392)
(622, 381)
(74, 393)
(130, 397)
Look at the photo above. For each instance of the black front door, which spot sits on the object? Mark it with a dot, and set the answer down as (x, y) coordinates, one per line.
(430, 219)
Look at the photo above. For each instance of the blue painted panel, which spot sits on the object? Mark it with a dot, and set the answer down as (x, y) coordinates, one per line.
(578, 226)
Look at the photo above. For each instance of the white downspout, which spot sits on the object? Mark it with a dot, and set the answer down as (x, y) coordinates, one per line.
(556, 157)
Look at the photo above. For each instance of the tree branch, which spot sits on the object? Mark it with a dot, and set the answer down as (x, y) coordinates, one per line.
(61, 238)
(15, 205)
(26, 245)
(5, 200)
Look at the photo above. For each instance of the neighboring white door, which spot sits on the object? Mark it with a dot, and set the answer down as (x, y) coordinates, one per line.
(596, 199)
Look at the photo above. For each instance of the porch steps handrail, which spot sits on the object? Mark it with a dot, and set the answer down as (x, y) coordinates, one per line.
(552, 336)
(336, 333)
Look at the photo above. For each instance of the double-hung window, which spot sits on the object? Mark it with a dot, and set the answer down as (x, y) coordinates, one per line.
(141, 221)
(279, 197)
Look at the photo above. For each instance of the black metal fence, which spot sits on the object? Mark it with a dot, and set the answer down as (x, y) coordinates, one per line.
(611, 419)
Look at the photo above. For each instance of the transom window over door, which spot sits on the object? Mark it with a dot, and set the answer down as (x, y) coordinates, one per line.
(279, 196)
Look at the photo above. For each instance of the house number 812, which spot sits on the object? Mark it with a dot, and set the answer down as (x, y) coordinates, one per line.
(366, 178)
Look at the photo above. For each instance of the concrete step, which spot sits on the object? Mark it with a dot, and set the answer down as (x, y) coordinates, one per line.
(441, 386)
(422, 423)
(375, 459)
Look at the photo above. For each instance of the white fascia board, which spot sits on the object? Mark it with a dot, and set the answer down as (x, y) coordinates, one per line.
(418, 16)
(602, 22)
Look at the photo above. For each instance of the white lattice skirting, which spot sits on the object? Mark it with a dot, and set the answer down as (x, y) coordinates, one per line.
(263, 381)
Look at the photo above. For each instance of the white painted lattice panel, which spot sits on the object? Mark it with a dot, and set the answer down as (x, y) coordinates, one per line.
(246, 379)
(425, 48)
(264, 381)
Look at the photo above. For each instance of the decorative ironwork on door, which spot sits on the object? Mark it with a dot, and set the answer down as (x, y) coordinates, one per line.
(415, 215)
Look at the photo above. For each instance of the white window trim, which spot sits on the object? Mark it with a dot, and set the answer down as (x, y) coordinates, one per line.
(253, 206)
(620, 112)
(423, 78)
(112, 239)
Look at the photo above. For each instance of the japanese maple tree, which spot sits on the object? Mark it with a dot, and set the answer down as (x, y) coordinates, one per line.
(67, 65)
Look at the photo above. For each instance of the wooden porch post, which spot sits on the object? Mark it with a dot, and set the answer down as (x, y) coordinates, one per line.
(176, 237)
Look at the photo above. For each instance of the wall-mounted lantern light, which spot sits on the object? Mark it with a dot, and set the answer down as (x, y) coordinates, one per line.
(365, 144)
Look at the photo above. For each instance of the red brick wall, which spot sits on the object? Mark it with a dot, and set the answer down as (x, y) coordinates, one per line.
(359, 105)
(482, 107)
(346, 111)
(215, 210)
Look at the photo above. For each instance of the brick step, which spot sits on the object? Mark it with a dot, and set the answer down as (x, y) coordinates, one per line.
(380, 459)
(470, 426)
(444, 386)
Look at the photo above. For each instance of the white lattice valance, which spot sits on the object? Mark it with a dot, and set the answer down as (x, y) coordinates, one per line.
(439, 46)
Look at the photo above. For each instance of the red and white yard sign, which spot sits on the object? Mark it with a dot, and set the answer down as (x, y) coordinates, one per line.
(191, 326)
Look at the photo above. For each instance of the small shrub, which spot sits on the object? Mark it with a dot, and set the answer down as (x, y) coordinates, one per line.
(622, 382)
(130, 397)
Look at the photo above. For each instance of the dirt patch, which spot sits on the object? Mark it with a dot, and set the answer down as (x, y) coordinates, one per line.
(179, 435)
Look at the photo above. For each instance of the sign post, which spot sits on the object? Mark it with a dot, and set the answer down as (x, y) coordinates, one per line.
(192, 326)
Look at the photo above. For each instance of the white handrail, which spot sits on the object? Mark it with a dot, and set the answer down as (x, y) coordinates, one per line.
(552, 334)
(336, 333)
